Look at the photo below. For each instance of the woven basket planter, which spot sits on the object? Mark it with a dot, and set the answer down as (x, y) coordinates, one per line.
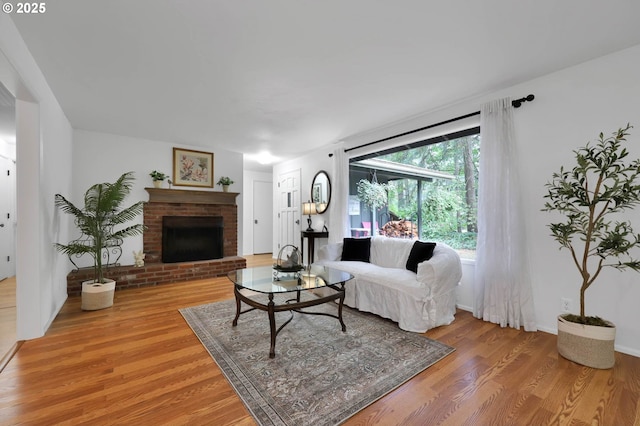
(588, 345)
(97, 296)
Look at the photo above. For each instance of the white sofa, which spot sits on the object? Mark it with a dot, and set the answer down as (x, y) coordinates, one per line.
(416, 301)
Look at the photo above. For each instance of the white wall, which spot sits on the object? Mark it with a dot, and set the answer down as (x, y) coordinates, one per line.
(43, 152)
(102, 157)
(571, 108)
(464, 294)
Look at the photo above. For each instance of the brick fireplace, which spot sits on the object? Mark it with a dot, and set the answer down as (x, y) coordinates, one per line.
(174, 202)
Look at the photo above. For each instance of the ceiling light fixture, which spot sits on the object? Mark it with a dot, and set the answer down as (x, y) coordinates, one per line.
(265, 158)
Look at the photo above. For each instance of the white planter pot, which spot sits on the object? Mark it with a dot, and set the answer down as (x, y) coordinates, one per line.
(157, 183)
(97, 296)
(588, 345)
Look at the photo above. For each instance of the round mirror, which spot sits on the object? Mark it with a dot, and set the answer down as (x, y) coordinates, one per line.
(321, 191)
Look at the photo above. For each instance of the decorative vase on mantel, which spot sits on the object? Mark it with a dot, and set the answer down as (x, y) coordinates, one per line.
(157, 184)
(225, 188)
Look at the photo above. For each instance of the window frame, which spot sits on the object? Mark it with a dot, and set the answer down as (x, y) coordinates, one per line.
(474, 130)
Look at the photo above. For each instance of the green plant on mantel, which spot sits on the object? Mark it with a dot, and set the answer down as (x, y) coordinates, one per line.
(156, 175)
(590, 196)
(224, 180)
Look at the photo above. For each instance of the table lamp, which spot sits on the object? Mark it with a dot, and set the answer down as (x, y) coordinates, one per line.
(309, 208)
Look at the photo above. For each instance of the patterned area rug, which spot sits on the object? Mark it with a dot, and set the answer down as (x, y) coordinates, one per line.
(320, 375)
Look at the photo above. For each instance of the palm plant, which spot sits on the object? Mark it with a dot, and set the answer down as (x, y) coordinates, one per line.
(590, 196)
(97, 221)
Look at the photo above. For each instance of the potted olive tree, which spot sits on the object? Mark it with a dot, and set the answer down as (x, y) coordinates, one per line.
(97, 221)
(590, 196)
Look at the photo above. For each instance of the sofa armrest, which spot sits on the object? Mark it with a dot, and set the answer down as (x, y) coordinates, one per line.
(330, 252)
(442, 272)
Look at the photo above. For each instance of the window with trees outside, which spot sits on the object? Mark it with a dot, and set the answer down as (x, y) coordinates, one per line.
(426, 190)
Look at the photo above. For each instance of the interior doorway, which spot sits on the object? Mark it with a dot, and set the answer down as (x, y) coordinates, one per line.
(8, 280)
(262, 217)
(7, 208)
(289, 205)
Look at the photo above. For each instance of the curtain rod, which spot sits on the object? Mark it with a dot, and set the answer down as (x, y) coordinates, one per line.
(516, 103)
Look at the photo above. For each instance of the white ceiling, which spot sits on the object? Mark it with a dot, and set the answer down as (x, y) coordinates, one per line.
(291, 75)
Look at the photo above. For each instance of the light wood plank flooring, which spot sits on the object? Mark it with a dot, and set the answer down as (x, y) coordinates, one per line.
(138, 363)
(7, 318)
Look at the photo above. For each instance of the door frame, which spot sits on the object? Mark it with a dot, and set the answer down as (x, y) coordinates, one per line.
(8, 268)
(289, 205)
(268, 208)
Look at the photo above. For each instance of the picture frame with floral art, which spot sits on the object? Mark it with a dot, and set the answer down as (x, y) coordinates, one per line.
(192, 168)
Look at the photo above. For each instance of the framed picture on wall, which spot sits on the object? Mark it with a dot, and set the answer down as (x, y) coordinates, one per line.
(192, 168)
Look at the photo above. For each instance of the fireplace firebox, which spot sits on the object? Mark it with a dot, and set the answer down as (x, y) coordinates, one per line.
(189, 238)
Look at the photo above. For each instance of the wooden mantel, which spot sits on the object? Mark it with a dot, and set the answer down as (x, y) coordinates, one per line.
(163, 195)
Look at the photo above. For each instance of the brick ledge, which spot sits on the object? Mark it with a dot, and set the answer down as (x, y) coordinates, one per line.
(151, 274)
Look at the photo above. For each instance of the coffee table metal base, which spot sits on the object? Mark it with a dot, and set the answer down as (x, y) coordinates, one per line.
(292, 305)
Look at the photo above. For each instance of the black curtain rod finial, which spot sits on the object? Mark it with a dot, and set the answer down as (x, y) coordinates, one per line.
(518, 102)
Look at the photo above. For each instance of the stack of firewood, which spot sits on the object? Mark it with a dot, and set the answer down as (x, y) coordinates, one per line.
(400, 229)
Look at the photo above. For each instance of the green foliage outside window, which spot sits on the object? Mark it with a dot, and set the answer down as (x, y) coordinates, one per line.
(449, 206)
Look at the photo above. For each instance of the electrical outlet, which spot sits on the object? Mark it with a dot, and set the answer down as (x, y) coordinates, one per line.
(565, 304)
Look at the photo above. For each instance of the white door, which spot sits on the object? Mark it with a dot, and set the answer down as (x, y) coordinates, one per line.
(289, 209)
(262, 217)
(6, 220)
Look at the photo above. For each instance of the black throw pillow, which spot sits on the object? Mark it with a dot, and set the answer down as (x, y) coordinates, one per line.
(420, 252)
(356, 249)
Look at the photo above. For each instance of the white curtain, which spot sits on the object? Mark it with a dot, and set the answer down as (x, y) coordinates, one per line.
(502, 287)
(338, 207)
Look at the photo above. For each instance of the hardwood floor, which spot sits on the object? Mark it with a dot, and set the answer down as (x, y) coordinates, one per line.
(7, 318)
(138, 363)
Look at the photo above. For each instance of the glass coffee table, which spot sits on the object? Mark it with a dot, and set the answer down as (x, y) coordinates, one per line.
(263, 280)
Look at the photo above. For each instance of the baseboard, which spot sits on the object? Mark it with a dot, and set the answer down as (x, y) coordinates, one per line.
(464, 308)
(628, 351)
(618, 348)
(7, 357)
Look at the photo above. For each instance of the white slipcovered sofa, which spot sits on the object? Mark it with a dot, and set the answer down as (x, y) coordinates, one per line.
(384, 286)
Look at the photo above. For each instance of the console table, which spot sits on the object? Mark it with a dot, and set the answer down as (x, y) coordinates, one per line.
(311, 237)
